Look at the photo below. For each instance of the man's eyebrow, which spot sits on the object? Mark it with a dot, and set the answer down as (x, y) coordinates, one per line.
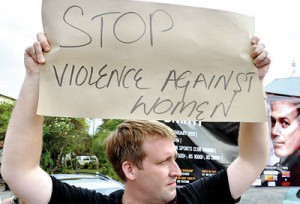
(285, 118)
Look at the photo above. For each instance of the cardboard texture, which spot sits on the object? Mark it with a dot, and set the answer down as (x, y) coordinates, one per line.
(127, 59)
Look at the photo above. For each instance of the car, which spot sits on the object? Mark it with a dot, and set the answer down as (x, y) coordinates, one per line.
(292, 196)
(85, 161)
(100, 183)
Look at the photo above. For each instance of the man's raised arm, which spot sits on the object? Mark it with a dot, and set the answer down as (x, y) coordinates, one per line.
(253, 138)
(23, 140)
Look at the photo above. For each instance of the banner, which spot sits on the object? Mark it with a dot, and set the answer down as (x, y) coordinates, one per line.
(204, 148)
(128, 59)
(284, 163)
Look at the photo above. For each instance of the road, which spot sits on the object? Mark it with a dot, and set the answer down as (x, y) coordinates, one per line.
(264, 195)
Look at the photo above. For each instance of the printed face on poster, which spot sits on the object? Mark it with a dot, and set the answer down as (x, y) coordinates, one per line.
(284, 162)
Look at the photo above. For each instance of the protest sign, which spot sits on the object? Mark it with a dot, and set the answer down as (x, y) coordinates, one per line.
(128, 59)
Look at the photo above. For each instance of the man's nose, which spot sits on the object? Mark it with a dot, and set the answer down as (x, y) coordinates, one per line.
(175, 169)
(275, 130)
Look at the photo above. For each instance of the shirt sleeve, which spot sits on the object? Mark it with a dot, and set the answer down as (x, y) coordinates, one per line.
(63, 193)
(213, 189)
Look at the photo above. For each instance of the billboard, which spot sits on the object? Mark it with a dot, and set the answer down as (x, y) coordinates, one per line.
(204, 148)
(283, 168)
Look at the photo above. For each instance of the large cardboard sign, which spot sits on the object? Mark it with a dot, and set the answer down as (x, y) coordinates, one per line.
(127, 59)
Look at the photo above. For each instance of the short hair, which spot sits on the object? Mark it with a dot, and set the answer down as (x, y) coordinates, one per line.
(125, 143)
(294, 100)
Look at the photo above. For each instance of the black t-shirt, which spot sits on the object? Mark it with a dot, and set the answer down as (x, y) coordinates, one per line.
(214, 189)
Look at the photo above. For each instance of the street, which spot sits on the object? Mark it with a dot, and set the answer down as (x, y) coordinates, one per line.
(264, 195)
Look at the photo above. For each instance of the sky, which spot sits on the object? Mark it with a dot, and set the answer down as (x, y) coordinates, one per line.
(276, 23)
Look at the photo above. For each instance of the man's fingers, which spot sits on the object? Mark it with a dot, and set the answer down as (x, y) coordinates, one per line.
(261, 57)
(30, 52)
(255, 40)
(258, 50)
(41, 37)
(39, 55)
(263, 62)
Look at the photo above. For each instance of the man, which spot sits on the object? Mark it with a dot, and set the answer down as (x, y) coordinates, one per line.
(285, 134)
(149, 179)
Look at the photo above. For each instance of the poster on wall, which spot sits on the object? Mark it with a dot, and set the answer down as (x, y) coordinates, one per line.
(283, 168)
(204, 148)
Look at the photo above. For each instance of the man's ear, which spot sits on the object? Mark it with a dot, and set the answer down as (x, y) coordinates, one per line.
(129, 170)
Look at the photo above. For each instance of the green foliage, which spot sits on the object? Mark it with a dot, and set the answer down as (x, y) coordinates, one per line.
(5, 113)
(109, 125)
(99, 149)
(62, 136)
(48, 162)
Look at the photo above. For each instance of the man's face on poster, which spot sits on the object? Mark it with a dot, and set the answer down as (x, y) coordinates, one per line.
(285, 127)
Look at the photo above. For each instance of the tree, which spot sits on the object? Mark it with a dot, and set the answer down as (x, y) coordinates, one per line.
(5, 113)
(61, 136)
(103, 131)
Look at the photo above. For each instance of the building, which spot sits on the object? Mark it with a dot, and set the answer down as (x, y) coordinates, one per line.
(6, 98)
(284, 86)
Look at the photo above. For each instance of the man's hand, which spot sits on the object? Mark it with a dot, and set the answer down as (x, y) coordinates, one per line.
(34, 55)
(260, 57)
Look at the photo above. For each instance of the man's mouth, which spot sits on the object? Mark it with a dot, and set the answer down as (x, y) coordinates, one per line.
(172, 184)
(278, 144)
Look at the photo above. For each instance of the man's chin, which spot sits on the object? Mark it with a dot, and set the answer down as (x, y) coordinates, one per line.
(279, 153)
(170, 195)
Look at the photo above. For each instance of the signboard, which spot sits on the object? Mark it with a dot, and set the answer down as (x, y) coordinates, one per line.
(208, 147)
(128, 59)
(284, 163)
(203, 148)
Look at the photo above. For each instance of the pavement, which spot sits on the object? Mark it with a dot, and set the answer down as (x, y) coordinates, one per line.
(254, 195)
(264, 195)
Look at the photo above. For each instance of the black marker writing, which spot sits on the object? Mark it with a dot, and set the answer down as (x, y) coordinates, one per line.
(76, 28)
(101, 77)
(120, 22)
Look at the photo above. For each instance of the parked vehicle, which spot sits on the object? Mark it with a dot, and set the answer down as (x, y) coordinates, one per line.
(99, 183)
(86, 161)
(292, 196)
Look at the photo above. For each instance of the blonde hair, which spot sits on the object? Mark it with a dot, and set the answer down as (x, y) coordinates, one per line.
(125, 143)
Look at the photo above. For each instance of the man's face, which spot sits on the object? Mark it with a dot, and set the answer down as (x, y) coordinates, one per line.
(285, 128)
(157, 179)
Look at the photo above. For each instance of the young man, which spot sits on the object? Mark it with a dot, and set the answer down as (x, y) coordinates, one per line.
(146, 160)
